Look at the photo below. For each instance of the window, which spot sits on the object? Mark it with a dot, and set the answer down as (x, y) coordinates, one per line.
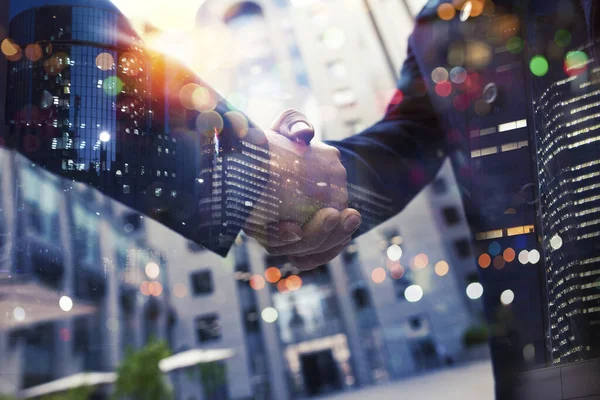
(344, 98)
(439, 186)
(202, 283)
(158, 192)
(361, 298)
(208, 328)
(126, 189)
(126, 168)
(519, 230)
(463, 248)
(142, 170)
(251, 320)
(497, 233)
(451, 215)
(173, 193)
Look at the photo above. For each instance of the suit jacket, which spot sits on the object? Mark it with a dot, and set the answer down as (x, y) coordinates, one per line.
(471, 89)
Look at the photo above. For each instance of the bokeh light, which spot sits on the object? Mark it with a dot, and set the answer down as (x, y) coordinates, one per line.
(484, 260)
(180, 290)
(509, 255)
(421, 261)
(9, 47)
(556, 242)
(529, 352)
(113, 86)
(144, 288)
(515, 45)
(257, 282)
(474, 290)
(397, 273)
(209, 123)
(33, 52)
(446, 11)
(105, 61)
(539, 65)
(196, 97)
(458, 75)
(441, 268)
(269, 315)
(104, 136)
(272, 274)
(155, 288)
(494, 248)
(65, 303)
(576, 63)
(19, 313)
(524, 257)
(439, 74)
(443, 89)
(152, 270)
(413, 293)
(282, 286)
(394, 252)
(479, 54)
(534, 256)
(562, 37)
(238, 122)
(507, 297)
(378, 275)
(293, 282)
(498, 262)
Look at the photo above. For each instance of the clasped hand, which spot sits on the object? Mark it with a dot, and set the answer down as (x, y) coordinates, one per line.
(309, 182)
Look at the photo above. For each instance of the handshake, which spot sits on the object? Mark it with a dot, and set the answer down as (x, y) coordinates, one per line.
(309, 181)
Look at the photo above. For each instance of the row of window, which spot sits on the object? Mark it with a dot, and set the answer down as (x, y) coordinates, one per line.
(486, 151)
(498, 233)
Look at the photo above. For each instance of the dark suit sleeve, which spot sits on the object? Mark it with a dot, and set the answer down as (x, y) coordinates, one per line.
(391, 161)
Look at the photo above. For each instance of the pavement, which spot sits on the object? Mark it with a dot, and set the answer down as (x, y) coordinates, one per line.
(469, 382)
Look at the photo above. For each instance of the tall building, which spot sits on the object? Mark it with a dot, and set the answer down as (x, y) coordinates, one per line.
(4, 11)
(569, 180)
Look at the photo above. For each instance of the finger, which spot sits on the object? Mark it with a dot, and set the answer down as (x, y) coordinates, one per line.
(274, 235)
(320, 225)
(350, 222)
(294, 125)
(315, 260)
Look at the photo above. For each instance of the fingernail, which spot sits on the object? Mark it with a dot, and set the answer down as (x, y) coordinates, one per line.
(330, 223)
(299, 126)
(351, 223)
(290, 237)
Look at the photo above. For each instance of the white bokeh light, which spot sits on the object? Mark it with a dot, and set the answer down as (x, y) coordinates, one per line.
(529, 352)
(474, 290)
(394, 252)
(524, 257)
(19, 313)
(152, 270)
(534, 256)
(104, 136)
(269, 315)
(413, 293)
(65, 303)
(507, 297)
(556, 242)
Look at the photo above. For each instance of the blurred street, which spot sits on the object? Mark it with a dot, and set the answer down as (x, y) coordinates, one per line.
(471, 382)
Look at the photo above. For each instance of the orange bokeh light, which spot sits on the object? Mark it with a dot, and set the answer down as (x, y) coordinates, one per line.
(282, 286)
(144, 288)
(421, 261)
(484, 260)
(257, 282)
(446, 11)
(293, 282)
(397, 272)
(155, 288)
(441, 268)
(378, 275)
(272, 275)
(509, 255)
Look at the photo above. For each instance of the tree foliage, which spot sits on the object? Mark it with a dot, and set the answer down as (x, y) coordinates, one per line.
(138, 376)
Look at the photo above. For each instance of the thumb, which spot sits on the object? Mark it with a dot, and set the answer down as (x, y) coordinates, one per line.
(294, 125)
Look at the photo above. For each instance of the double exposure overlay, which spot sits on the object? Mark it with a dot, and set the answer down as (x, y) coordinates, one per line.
(293, 199)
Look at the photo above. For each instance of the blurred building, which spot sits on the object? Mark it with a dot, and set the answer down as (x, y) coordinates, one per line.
(349, 324)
